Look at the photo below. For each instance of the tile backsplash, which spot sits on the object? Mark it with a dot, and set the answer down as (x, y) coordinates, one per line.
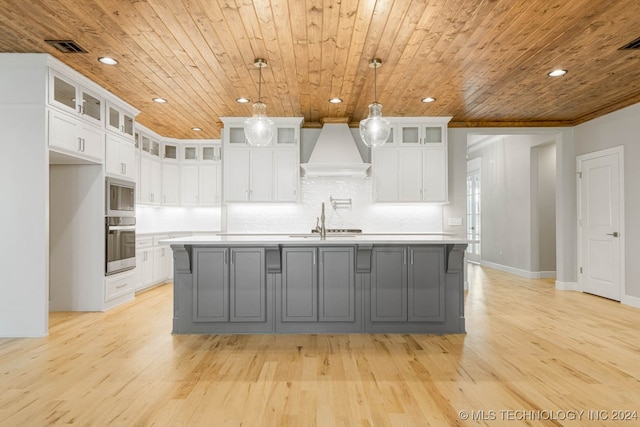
(301, 217)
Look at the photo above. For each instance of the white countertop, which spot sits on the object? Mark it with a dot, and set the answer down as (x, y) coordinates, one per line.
(314, 239)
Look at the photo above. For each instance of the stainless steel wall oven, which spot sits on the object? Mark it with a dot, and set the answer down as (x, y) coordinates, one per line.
(120, 244)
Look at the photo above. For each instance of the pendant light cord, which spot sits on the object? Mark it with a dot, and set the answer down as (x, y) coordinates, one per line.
(260, 82)
(375, 82)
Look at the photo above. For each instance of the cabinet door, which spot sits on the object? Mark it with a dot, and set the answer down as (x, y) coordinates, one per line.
(336, 285)
(260, 175)
(92, 142)
(160, 263)
(434, 175)
(112, 164)
(210, 285)
(63, 131)
(128, 159)
(286, 173)
(410, 135)
(385, 172)
(299, 285)
(189, 184)
(144, 189)
(144, 268)
(236, 175)
(170, 185)
(156, 182)
(426, 284)
(209, 184)
(247, 287)
(388, 301)
(410, 175)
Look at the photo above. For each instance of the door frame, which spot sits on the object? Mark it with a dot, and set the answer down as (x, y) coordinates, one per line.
(619, 151)
(475, 165)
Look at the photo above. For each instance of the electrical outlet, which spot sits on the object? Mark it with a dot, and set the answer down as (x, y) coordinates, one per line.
(455, 221)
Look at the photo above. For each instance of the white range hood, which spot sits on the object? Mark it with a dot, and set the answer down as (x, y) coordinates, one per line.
(335, 153)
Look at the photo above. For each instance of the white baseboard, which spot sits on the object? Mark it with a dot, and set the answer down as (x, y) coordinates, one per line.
(567, 286)
(519, 272)
(632, 301)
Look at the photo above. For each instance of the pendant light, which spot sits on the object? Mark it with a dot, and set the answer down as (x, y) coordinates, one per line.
(259, 129)
(374, 130)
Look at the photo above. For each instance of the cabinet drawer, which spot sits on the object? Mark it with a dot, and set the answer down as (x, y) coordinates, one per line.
(119, 286)
(144, 242)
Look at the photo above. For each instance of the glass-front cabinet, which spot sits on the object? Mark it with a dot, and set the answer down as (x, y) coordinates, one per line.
(119, 121)
(69, 96)
(418, 134)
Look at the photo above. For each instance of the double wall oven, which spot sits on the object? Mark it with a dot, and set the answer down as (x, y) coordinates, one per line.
(120, 230)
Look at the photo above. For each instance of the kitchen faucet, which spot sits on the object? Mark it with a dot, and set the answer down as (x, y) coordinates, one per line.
(320, 227)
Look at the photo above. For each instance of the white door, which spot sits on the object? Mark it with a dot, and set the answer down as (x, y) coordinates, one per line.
(473, 212)
(600, 221)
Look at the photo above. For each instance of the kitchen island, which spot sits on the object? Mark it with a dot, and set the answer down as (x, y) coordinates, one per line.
(377, 283)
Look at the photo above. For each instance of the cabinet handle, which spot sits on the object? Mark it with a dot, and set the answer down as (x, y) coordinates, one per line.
(404, 256)
(122, 286)
(411, 256)
(79, 144)
(225, 257)
(79, 109)
(314, 257)
(144, 258)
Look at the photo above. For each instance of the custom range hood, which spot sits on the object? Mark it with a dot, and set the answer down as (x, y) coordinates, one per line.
(335, 152)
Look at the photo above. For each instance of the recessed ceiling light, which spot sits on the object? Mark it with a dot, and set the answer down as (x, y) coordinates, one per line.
(197, 129)
(160, 100)
(428, 99)
(107, 60)
(335, 100)
(243, 100)
(557, 73)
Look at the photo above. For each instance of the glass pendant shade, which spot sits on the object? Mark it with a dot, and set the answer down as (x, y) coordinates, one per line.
(259, 129)
(374, 130)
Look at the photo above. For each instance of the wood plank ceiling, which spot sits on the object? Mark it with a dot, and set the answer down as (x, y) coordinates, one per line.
(485, 61)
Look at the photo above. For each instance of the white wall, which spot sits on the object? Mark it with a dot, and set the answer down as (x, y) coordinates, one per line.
(509, 189)
(24, 185)
(565, 193)
(544, 221)
(301, 218)
(620, 128)
(150, 219)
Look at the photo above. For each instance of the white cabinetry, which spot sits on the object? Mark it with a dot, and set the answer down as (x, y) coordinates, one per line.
(118, 286)
(262, 174)
(69, 96)
(120, 158)
(200, 175)
(154, 261)
(150, 180)
(150, 177)
(248, 175)
(170, 184)
(414, 168)
(119, 121)
(71, 135)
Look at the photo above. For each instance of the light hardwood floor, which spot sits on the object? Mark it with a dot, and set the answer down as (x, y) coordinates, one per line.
(530, 352)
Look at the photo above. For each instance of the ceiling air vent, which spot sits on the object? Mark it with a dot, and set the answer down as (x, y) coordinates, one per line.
(67, 46)
(633, 45)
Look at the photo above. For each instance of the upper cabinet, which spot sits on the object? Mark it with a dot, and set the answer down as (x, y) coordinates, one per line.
(412, 167)
(71, 97)
(262, 174)
(119, 120)
(79, 114)
(417, 134)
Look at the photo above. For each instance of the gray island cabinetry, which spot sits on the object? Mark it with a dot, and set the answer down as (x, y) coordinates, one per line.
(269, 284)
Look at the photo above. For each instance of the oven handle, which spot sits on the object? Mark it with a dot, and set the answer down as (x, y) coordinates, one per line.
(121, 227)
